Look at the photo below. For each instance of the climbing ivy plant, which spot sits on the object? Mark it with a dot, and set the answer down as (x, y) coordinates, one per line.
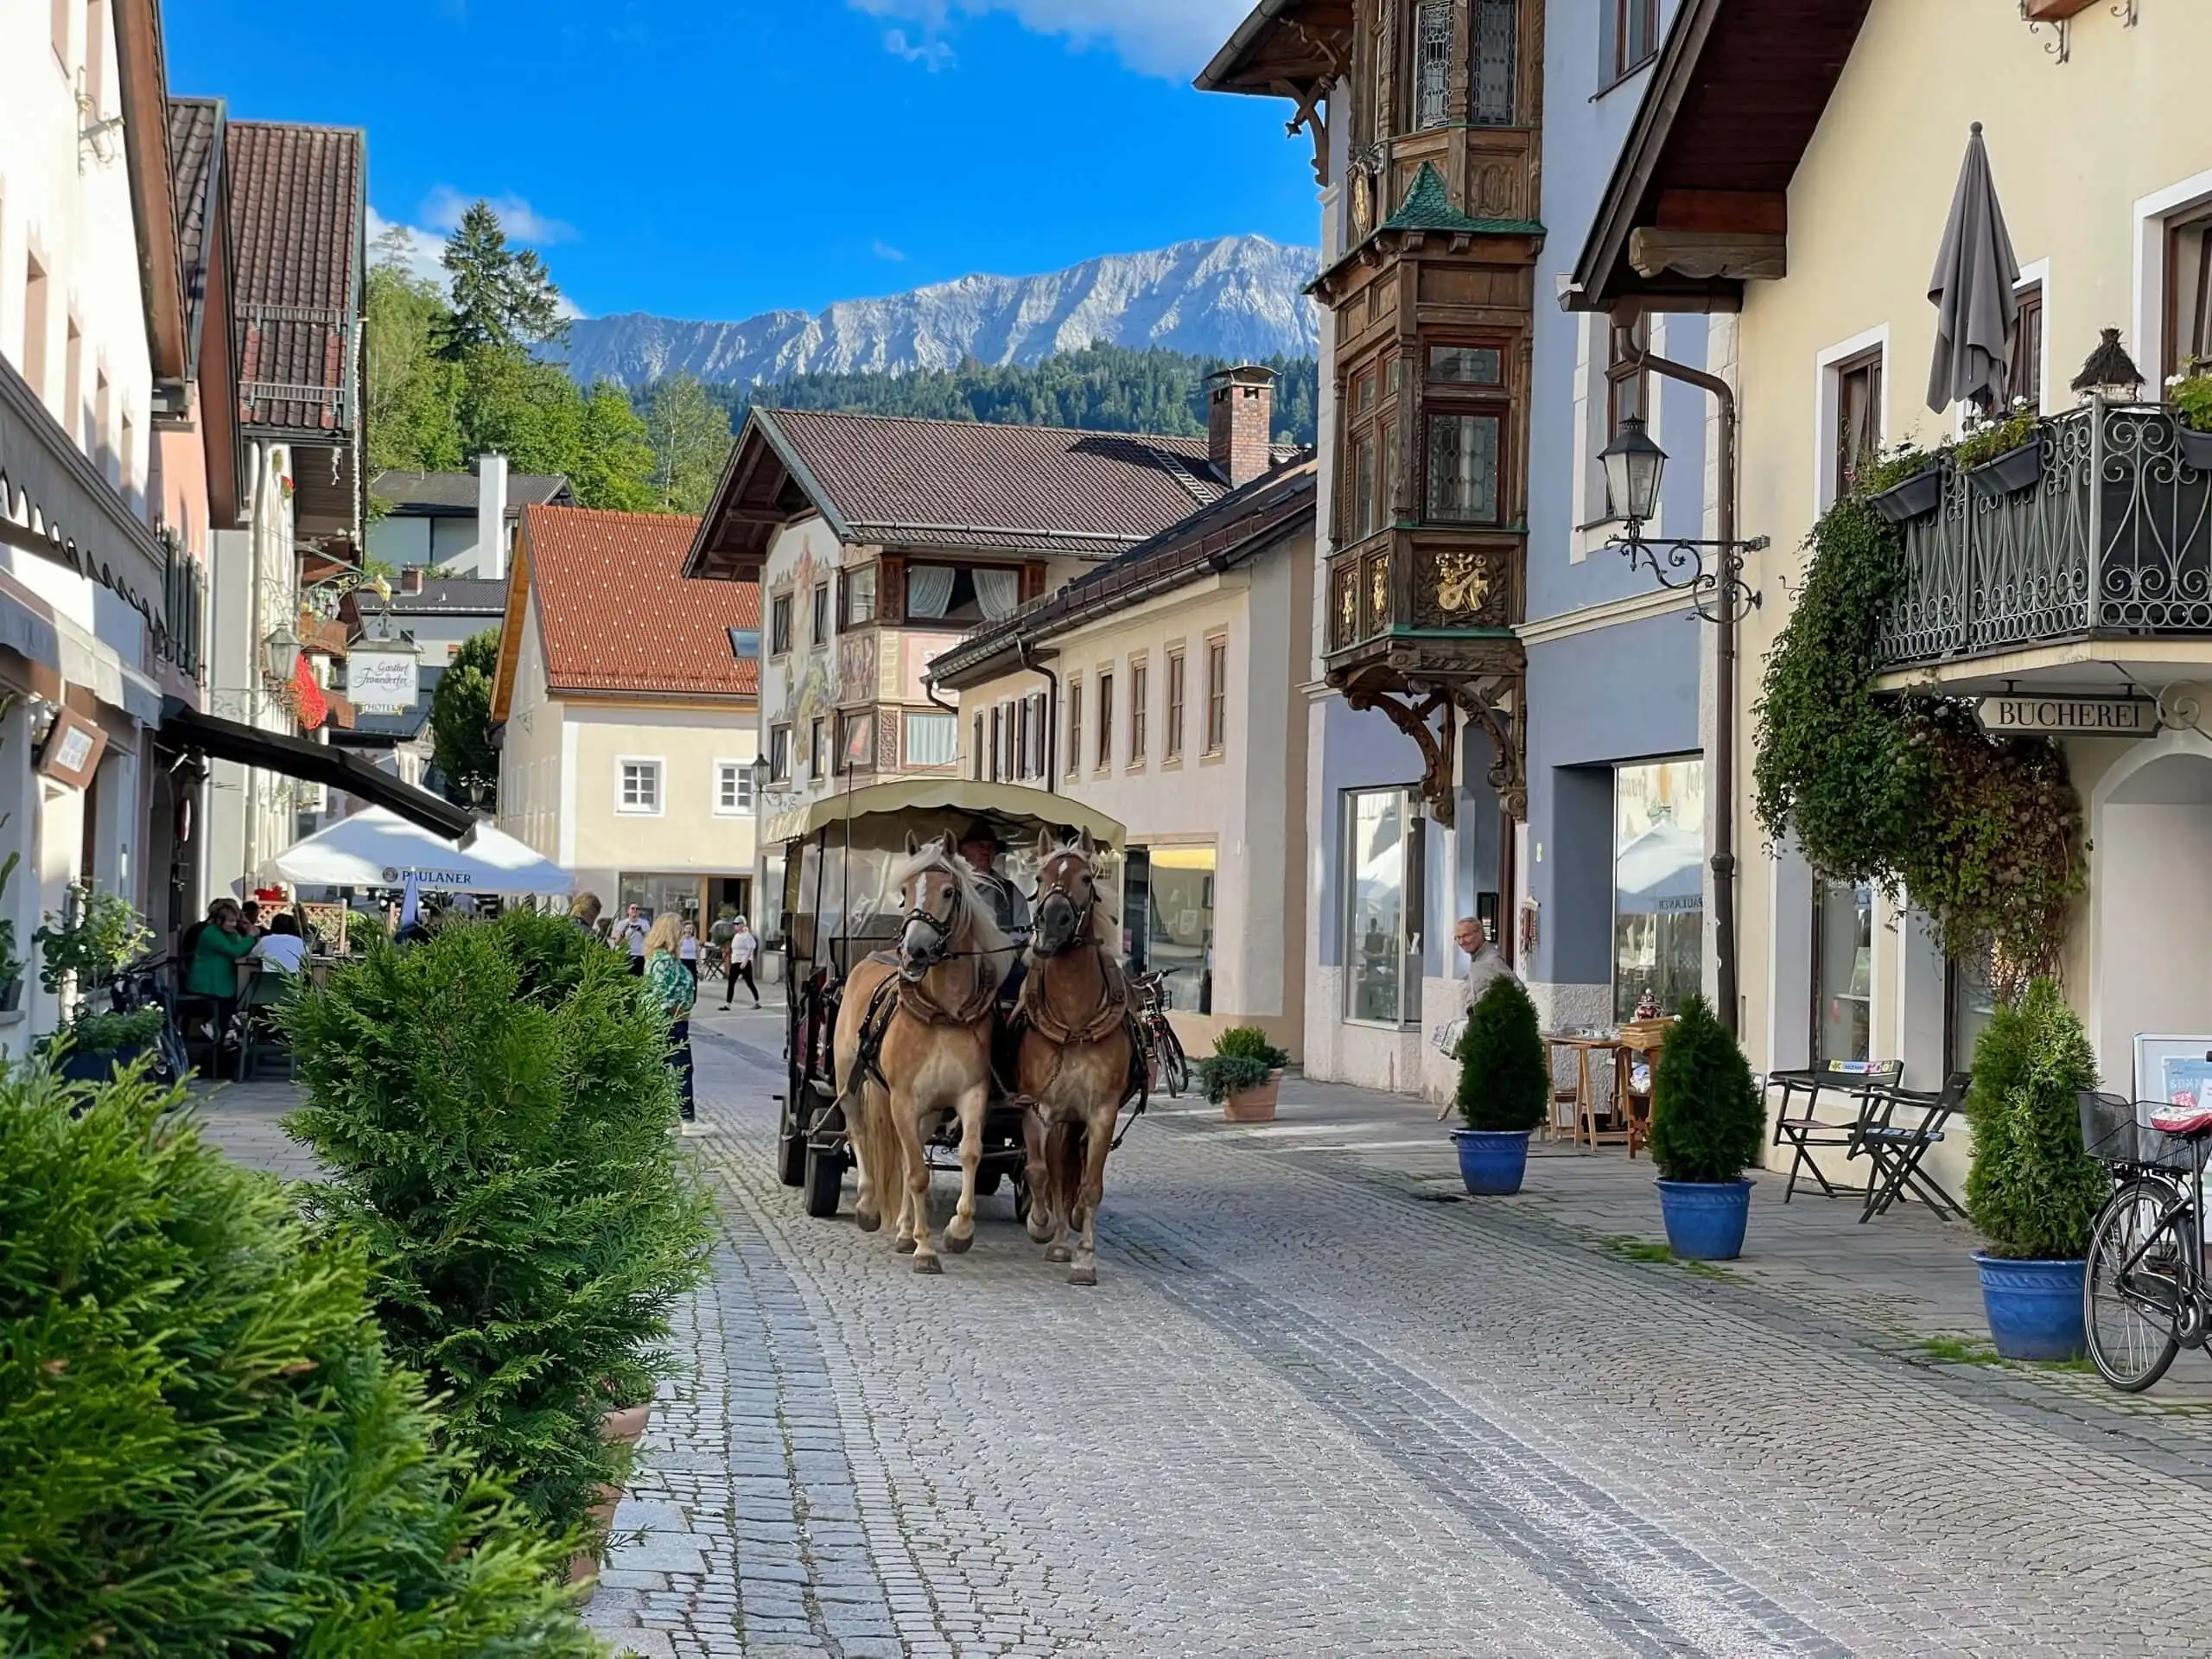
(1908, 792)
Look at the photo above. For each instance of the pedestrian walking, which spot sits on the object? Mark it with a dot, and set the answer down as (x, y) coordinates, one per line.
(738, 953)
(630, 935)
(1485, 963)
(687, 952)
(668, 985)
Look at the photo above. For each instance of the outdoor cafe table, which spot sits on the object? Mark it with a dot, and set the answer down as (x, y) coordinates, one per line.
(1583, 1045)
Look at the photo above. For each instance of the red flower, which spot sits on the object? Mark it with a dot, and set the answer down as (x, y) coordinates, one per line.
(308, 705)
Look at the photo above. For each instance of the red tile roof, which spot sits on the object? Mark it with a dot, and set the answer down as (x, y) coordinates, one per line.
(297, 210)
(615, 613)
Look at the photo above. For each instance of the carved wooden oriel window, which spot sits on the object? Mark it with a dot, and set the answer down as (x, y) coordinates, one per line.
(1465, 403)
(1496, 35)
(1370, 449)
(1433, 64)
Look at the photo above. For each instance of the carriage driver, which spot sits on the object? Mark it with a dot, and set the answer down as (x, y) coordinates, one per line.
(979, 845)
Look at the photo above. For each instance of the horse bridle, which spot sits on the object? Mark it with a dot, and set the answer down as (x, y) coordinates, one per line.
(1082, 912)
(942, 929)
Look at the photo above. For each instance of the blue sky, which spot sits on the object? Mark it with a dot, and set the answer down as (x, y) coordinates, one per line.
(715, 159)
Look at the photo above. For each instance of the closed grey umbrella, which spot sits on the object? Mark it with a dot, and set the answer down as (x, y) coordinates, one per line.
(1973, 291)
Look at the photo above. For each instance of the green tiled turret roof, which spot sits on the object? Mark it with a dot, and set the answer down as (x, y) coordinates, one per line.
(1428, 208)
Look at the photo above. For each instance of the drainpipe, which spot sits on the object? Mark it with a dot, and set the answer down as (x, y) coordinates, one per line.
(1724, 717)
(1051, 715)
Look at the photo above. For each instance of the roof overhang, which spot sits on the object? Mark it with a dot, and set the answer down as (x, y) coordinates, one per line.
(1284, 47)
(764, 486)
(1698, 204)
(315, 763)
(146, 158)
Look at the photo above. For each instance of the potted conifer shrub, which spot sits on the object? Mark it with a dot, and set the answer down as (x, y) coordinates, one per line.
(1504, 1085)
(1707, 1123)
(2032, 1191)
(1242, 1075)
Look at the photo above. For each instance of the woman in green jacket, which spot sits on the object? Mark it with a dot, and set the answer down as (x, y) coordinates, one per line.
(670, 986)
(212, 971)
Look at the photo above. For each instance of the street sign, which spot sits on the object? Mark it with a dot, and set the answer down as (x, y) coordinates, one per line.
(2071, 716)
(383, 679)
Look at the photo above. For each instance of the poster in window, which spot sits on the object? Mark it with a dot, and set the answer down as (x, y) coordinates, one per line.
(2169, 1062)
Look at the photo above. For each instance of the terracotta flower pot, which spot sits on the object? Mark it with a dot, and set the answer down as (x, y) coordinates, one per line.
(583, 1574)
(627, 1423)
(1254, 1105)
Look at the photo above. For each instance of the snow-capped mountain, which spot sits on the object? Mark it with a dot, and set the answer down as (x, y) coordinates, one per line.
(1235, 296)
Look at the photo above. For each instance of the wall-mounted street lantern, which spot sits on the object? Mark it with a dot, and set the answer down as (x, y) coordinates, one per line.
(280, 653)
(1634, 465)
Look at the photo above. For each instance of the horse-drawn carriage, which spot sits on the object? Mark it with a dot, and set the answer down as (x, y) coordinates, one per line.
(844, 906)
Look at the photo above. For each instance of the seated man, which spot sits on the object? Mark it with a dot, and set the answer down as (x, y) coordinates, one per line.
(281, 948)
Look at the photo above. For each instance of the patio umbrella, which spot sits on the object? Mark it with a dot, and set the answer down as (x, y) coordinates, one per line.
(1662, 871)
(1976, 308)
(376, 849)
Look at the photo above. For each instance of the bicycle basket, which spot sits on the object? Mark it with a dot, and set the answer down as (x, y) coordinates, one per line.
(2112, 1133)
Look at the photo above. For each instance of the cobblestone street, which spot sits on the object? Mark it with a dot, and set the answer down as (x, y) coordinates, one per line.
(1316, 1406)
(1307, 1411)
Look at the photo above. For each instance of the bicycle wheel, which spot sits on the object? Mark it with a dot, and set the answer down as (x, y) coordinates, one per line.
(2129, 1311)
(1174, 1068)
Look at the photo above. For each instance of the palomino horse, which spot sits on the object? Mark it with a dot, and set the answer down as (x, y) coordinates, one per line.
(913, 1040)
(1079, 1055)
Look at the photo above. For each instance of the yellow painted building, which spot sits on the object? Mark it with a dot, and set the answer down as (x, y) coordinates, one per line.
(1791, 171)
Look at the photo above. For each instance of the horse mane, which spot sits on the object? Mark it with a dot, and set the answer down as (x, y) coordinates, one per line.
(984, 933)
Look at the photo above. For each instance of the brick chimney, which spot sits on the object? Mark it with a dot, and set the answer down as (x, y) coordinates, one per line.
(410, 579)
(1240, 420)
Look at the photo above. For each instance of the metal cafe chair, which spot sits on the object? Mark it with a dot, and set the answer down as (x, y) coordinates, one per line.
(1895, 1149)
(1804, 1130)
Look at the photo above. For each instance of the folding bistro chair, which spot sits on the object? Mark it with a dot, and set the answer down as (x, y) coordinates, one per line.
(1895, 1148)
(259, 1035)
(1803, 1129)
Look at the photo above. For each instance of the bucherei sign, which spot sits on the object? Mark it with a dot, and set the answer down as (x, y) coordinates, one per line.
(2071, 716)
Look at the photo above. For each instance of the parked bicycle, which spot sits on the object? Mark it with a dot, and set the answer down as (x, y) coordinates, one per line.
(2143, 1295)
(145, 984)
(1169, 1063)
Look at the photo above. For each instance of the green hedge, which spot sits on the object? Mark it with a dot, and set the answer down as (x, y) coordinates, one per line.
(2032, 1191)
(504, 1149)
(1707, 1122)
(1505, 1078)
(208, 1450)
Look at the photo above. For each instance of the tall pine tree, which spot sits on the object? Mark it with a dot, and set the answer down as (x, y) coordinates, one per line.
(502, 297)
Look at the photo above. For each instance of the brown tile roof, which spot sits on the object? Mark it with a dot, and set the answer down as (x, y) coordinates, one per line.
(1240, 526)
(297, 205)
(965, 483)
(194, 124)
(616, 615)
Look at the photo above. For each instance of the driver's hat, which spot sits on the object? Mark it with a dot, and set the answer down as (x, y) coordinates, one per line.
(980, 829)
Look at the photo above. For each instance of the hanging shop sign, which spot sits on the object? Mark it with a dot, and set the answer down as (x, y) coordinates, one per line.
(383, 679)
(2071, 716)
(72, 749)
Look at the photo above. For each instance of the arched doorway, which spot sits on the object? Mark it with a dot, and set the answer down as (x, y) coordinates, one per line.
(2151, 898)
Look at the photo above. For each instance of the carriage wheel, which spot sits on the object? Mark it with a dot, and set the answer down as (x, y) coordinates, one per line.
(791, 1149)
(825, 1182)
(987, 1181)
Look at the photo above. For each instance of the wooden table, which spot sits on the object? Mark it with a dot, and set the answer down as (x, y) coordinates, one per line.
(1646, 1037)
(1583, 1045)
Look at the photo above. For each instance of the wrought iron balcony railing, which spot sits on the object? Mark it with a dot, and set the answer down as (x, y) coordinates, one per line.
(2113, 540)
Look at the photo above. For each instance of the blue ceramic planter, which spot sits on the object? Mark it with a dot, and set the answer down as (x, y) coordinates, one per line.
(1705, 1219)
(2034, 1307)
(1492, 1161)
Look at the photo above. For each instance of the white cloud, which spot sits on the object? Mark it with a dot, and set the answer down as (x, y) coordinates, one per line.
(444, 206)
(885, 251)
(414, 249)
(1171, 38)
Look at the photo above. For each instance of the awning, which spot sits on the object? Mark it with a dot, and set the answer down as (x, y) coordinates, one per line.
(1016, 812)
(374, 848)
(316, 763)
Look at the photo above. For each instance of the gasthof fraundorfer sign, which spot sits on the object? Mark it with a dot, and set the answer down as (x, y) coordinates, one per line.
(382, 682)
(2071, 716)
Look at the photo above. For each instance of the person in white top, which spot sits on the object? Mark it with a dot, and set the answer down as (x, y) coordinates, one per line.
(687, 949)
(281, 948)
(630, 933)
(743, 946)
(1485, 963)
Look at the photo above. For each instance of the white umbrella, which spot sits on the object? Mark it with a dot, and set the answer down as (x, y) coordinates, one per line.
(1661, 871)
(376, 849)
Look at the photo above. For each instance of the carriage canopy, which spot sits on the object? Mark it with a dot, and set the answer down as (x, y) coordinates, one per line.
(837, 889)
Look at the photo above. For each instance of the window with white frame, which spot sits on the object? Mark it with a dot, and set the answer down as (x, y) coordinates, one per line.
(732, 788)
(636, 787)
(779, 754)
(931, 739)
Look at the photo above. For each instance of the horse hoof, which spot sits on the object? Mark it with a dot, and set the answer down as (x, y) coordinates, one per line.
(1039, 1234)
(905, 1247)
(1058, 1253)
(870, 1220)
(958, 1243)
(1083, 1275)
(928, 1264)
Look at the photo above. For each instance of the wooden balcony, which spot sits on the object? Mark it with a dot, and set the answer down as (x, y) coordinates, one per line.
(2112, 542)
